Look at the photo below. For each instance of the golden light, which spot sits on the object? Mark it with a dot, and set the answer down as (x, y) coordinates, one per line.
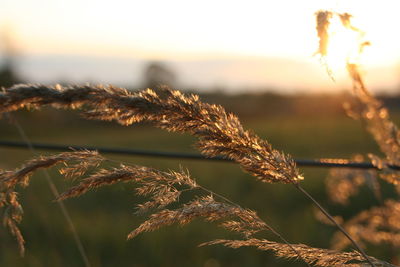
(343, 45)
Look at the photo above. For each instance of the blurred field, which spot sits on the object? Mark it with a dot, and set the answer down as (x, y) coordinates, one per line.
(305, 127)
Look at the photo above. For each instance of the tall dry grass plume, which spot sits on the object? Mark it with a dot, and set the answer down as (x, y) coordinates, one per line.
(379, 224)
(218, 132)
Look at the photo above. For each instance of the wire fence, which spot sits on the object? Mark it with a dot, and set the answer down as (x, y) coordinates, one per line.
(323, 162)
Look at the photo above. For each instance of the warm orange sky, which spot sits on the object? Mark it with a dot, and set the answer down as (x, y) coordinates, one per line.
(198, 30)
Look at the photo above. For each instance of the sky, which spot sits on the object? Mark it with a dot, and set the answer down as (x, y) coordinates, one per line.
(209, 43)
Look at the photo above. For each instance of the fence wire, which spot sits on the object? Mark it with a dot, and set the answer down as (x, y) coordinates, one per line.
(322, 162)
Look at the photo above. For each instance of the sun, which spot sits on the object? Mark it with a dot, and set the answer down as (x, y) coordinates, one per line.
(344, 45)
(340, 42)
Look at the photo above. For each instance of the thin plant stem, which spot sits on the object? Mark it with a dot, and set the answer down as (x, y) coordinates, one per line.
(341, 229)
(55, 192)
(268, 226)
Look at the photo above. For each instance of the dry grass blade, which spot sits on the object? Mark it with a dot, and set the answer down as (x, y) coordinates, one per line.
(12, 217)
(206, 208)
(160, 186)
(313, 256)
(376, 226)
(384, 131)
(323, 22)
(219, 133)
(10, 179)
(99, 179)
(342, 183)
(82, 159)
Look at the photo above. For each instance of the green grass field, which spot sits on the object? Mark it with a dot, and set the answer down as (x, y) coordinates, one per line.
(103, 218)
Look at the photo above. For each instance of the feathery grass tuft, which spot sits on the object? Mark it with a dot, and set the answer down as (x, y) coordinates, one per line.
(376, 226)
(219, 132)
(81, 161)
(312, 256)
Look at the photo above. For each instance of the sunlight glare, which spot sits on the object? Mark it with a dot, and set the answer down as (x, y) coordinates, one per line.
(343, 45)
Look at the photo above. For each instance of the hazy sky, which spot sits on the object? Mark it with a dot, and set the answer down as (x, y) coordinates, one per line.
(178, 30)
